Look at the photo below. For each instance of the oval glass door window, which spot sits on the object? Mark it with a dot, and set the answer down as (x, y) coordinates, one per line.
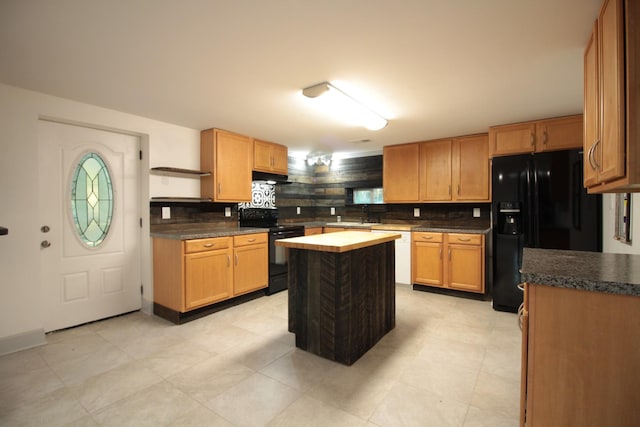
(92, 199)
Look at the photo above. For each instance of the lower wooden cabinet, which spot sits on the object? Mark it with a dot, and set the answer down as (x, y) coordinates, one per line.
(312, 230)
(250, 271)
(448, 260)
(580, 358)
(190, 274)
(208, 277)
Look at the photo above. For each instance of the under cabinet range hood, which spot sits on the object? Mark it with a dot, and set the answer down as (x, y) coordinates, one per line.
(270, 178)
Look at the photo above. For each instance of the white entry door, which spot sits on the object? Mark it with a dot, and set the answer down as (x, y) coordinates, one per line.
(90, 235)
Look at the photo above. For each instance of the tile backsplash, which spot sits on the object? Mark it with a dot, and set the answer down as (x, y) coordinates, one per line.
(263, 196)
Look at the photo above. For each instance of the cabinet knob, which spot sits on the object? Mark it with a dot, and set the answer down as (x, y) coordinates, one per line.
(532, 139)
(251, 240)
(209, 245)
(45, 244)
(427, 237)
(463, 240)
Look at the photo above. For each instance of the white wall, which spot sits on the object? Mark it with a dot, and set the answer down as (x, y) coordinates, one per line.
(163, 144)
(609, 244)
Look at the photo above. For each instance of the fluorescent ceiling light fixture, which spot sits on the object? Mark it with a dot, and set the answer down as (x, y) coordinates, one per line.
(332, 100)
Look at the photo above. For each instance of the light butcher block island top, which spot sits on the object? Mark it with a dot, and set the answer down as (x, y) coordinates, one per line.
(341, 292)
(338, 242)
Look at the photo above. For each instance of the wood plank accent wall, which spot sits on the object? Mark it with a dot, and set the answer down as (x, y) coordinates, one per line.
(316, 189)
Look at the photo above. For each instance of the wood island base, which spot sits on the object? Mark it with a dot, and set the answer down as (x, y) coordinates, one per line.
(341, 304)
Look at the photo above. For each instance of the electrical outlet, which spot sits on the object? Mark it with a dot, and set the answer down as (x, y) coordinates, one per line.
(227, 211)
(416, 212)
(166, 212)
(298, 210)
(333, 211)
(476, 212)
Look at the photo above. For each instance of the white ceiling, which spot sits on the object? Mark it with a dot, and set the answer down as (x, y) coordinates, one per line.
(436, 68)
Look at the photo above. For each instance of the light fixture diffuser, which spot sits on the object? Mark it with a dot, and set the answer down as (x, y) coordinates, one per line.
(337, 103)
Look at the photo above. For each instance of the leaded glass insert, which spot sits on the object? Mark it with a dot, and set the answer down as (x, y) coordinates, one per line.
(92, 199)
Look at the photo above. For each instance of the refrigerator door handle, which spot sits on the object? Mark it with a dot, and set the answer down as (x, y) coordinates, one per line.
(529, 212)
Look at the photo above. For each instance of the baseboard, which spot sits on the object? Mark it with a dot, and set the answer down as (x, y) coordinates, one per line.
(22, 341)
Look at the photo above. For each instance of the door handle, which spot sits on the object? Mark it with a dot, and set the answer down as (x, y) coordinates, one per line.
(45, 244)
(45, 229)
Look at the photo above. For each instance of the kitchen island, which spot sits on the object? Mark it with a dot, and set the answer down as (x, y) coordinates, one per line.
(581, 338)
(341, 292)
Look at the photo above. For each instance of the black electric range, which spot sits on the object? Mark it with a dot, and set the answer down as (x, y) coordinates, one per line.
(278, 256)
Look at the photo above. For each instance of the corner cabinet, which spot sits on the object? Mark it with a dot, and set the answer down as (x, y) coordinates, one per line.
(230, 158)
(448, 260)
(611, 97)
(561, 133)
(270, 157)
(446, 170)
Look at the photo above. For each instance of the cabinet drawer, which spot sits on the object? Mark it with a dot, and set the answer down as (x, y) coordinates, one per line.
(465, 239)
(423, 236)
(250, 239)
(212, 244)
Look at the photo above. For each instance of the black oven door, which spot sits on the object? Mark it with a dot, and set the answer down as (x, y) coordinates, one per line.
(279, 260)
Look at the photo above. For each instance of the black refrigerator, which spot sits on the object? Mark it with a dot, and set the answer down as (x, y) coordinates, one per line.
(538, 201)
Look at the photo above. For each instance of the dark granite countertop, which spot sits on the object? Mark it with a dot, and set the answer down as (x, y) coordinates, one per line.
(451, 229)
(590, 271)
(438, 227)
(200, 230)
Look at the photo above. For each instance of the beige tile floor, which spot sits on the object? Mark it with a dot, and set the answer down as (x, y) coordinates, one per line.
(449, 362)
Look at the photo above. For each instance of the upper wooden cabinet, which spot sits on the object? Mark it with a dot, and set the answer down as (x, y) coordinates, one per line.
(270, 157)
(400, 173)
(541, 135)
(229, 157)
(470, 176)
(611, 97)
(435, 170)
(445, 170)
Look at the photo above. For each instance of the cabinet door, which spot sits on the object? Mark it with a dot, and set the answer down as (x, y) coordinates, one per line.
(611, 157)
(312, 231)
(512, 139)
(251, 268)
(208, 278)
(435, 161)
(465, 270)
(427, 263)
(591, 110)
(400, 173)
(230, 158)
(270, 157)
(559, 134)
(262, 156)
(471, 168)
(280, 159)
(333, 229)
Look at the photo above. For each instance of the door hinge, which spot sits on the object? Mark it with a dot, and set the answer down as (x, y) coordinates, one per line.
(140, 222)
(140, 152)
(141, 289)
